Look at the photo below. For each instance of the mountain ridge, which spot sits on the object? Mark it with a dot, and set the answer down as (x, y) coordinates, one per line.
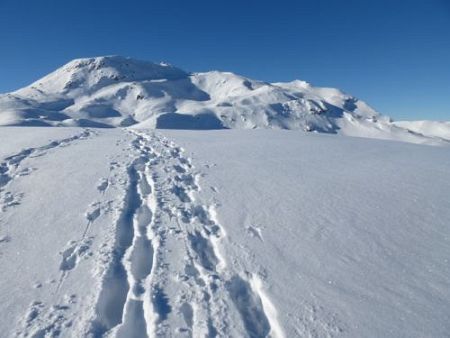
(116, 91)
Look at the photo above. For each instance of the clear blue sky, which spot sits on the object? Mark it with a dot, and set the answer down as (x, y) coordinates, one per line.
(393, 54)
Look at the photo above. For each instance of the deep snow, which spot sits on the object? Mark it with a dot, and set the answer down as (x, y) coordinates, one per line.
(129, 233)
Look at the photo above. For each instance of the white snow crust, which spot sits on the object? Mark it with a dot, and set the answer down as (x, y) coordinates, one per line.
(228, 233)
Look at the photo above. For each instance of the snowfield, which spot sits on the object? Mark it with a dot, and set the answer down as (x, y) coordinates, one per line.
(230, 233)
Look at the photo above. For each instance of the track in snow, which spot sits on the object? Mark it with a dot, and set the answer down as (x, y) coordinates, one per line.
(167, 274)
(10, 167)
(41, 320)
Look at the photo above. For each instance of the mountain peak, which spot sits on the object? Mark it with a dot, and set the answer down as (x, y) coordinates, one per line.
(111, 91)
(90, 74)
(114, 61)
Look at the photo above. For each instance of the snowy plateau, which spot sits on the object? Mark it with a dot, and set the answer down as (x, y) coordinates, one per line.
(177, 204)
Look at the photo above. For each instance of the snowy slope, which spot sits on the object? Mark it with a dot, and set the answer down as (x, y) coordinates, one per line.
(428, 128)
(205, 233)
(116, 91)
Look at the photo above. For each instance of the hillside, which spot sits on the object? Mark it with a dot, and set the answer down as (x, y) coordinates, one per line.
(114, 91)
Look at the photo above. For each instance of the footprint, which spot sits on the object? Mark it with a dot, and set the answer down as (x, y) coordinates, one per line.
(68, 259)
(202, 215)
(93, 212)
(113, 165)
(254, 232)
(179, 169)
(188, 314)
(34, 311)
(72, 255)
(10, 200)
(180, 192)
(161, 303)
(205, 252)
(103, 185)
(188, 180)
(250, 307)
(26, 171)
(5, 239)
(44, 321)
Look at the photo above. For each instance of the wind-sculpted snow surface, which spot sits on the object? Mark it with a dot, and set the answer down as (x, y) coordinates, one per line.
(137, 233)
(114, 91)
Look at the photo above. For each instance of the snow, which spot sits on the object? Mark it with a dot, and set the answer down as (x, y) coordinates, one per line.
(11, 139)
(428, 128)
(114, 91)
(136, 232)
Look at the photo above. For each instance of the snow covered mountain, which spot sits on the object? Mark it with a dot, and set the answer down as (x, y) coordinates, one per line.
(137, 232)
(116, 91)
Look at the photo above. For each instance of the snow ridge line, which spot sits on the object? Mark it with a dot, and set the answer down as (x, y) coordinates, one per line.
(9, 167)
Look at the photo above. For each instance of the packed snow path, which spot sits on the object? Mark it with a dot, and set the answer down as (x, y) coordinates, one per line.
(137, 233)
(163, 222)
